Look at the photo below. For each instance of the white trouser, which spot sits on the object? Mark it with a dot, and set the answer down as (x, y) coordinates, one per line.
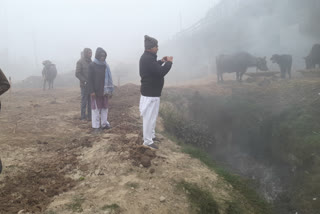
(95, 114)
(149, 109)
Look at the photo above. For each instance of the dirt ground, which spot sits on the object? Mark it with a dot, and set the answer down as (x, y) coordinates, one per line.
(54, 163)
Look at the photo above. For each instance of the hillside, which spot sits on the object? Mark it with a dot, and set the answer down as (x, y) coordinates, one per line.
(53, 163)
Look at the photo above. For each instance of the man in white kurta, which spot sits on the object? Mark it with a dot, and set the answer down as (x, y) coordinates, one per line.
(152, 74)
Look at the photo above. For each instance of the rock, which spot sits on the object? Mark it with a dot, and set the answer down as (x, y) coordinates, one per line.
(100, 172)
(42, 189)
(155, 163)
(21, 212)
(149, 153)
(146, 161)
(96, 172)
(162, 199)
(40, 142)
(140, 165)
(152, 170)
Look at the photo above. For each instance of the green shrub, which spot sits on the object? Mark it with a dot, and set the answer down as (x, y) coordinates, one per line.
(187, 131)
(76, 204)
(112, 208)
(201, 200)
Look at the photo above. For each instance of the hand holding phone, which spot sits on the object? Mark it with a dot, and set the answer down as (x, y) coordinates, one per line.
(164, 59)
(170, 58)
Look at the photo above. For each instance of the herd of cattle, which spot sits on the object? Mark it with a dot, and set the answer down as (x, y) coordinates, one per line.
(239, 63)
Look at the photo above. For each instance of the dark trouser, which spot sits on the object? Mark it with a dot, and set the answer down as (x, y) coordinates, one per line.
(85, 103)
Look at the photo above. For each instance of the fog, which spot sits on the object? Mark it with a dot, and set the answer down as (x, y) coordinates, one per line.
(194, 32)
(260, 27)
(36, 30)
(270, 132)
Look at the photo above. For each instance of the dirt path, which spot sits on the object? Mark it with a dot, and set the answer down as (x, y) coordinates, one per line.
(53, 163)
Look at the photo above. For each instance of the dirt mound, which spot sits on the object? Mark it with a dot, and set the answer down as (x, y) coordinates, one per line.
(142, 155)
(33, 189)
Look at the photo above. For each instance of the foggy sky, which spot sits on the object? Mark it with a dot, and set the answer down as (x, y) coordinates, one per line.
(35, 30)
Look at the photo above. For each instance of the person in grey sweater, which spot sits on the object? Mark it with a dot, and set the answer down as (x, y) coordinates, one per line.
(82, 73)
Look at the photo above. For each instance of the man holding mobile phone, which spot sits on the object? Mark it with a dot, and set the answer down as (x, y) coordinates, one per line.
(152, 72)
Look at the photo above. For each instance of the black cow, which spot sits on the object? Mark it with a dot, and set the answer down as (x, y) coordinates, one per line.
(285, 63)
(49, 73)
(313, 58)
(238, 63)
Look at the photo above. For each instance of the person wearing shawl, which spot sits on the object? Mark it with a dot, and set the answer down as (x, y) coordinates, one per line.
(101, 88)
(82, 73)
(152, 72)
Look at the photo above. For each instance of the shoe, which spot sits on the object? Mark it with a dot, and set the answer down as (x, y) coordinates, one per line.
(153, 146)
(106, 127)
(156, 139)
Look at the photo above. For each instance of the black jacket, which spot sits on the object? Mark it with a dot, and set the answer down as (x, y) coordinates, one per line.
(96, 76)
(152, 74)
(4, 84)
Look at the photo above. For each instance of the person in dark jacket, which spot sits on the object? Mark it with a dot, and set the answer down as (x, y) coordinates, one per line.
(152, 72)
(101, 89)
(82, 73)
(4, 86)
